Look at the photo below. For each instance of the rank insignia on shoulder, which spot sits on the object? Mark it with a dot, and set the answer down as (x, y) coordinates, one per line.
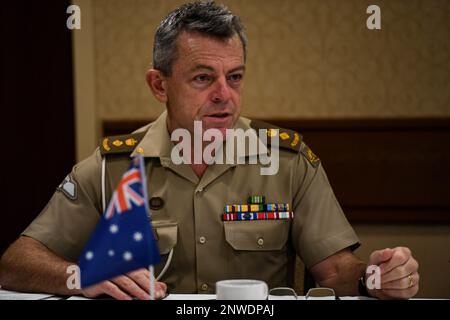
(68, 187)
(120, 144)
(257, 209)
(288, 139)
(310, 156)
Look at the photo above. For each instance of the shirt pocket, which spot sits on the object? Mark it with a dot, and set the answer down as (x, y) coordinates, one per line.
(257, 235)
(166, 234)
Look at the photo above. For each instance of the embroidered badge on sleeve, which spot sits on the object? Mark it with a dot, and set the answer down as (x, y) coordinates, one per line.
(69, 188)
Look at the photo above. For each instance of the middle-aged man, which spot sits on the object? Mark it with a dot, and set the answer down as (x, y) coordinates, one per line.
(198, 71)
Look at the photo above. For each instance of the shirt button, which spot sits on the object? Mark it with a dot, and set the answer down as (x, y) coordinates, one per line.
(199, 190)
(204, 287)
(260, 241)
(202, 240)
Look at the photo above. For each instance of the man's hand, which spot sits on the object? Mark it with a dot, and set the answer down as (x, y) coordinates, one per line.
(135, 284)
(399, 276)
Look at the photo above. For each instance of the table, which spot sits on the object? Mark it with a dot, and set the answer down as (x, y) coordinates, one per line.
(13, 295)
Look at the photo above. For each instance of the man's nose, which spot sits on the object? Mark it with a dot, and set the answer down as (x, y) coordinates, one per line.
(221, 92)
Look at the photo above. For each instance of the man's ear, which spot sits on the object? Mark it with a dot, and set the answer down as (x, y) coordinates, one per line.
(158, 84)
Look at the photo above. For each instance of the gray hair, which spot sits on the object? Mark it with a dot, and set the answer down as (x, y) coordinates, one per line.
(205, 18)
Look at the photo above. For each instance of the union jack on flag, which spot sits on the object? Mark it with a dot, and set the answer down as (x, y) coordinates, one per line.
(125, 195)
(123, 240)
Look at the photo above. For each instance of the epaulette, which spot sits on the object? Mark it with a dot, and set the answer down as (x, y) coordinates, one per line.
(310, 156)
(289, 139)
(120, 144)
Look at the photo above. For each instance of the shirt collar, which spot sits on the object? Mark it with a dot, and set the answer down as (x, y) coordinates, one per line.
(157, 143)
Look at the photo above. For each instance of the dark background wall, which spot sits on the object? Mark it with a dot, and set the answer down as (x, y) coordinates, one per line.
(36, 103)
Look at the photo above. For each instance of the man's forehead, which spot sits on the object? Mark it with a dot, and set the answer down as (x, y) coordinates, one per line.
(200, 50)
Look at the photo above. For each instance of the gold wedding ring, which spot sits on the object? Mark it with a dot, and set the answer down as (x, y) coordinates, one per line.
(411, 281)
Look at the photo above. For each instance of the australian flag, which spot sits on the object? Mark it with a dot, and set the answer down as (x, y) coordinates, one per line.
(123, 240)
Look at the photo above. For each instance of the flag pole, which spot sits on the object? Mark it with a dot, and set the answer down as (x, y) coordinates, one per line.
(152, 282)
(144, 186)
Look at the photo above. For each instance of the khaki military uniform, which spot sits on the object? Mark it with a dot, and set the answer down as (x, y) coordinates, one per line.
(187, 211)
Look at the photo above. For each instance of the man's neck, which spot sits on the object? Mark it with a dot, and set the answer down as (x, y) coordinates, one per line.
(199, 169)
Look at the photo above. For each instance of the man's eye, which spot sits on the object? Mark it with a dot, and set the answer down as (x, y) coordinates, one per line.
(202, 78)
(235, 77)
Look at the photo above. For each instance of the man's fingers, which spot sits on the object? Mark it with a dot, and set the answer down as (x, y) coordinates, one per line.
(129, 286)
(400, 294)
(399, 257)
(399, 272)
(142, 278)
(161, 286)
(403, 283)
(134, 284)
(379, 256)
(106, 287)
(399, 276)
(114, 291)
(142, 271)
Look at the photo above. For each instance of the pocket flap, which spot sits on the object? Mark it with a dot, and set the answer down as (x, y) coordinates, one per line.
(259, 235)
(166, 234)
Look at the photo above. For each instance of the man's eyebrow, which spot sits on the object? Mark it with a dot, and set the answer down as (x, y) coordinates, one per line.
(201, 67)
(204, 66)
(239, 68)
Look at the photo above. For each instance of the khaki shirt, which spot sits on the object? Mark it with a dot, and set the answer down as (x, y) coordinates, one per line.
(205, 248)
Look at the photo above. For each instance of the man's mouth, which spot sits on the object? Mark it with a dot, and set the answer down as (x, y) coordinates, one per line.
(219, 115)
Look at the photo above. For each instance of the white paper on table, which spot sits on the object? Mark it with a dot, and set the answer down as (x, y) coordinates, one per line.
(190, 297)
(356, 298)
(169, 297)
(271, 297)
(319, 298)
(78, 298)
(13, 295)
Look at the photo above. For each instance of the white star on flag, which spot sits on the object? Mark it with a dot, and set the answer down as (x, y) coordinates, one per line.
(89, 255)
(127, 256)
(113, 228)
(137, 236)
(110, 253)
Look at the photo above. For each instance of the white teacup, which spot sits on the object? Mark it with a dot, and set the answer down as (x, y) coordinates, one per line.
(241, 289)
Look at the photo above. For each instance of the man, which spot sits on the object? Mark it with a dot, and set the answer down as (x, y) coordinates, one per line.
(198, 71)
